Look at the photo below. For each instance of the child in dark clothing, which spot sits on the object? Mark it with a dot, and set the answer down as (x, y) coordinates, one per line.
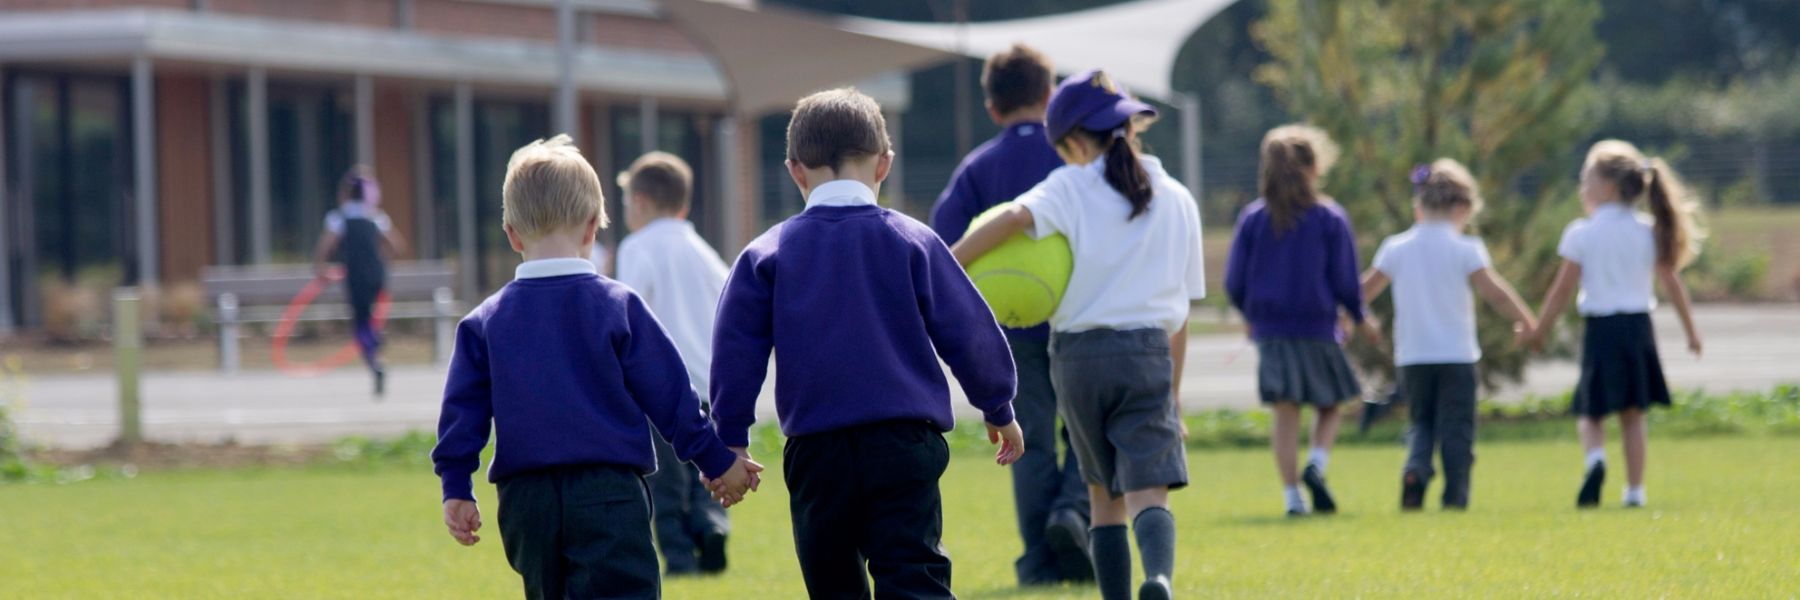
(363, 239)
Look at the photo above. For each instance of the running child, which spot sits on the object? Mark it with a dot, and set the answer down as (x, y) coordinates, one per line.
(1292, 269)
(360, 236)
(1617, 256)
(858, 303)
(1433, 267)
(679, 277)
(565, 367)
(1120, 333)
(1049, 499)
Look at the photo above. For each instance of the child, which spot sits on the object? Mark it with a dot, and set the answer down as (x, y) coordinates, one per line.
(565, 366)
(1050, 501)
(1617, 256)
(363, 239)
(679, 277)
(1432, 266)
(1292, 267)
(1121, 329)
(858, 303)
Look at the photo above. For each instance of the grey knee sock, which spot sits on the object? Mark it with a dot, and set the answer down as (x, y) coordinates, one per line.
(1155, 529)
(1112, 561)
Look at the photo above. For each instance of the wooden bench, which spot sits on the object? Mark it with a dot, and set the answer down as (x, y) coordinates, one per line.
(261, 294)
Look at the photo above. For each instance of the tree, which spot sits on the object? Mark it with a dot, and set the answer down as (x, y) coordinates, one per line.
(1502, 85)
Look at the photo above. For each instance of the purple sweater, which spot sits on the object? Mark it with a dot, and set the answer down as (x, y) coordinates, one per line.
(565, 370)
(1291, 284)
(858, 304)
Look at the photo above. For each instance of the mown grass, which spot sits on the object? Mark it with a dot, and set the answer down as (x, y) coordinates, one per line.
(1722, 523)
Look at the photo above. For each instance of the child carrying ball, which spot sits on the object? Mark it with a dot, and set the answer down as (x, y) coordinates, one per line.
(1432, 268)
(564, 366)
(1617, 256)
(1120, 334)
(1292, 268)
(858, 303)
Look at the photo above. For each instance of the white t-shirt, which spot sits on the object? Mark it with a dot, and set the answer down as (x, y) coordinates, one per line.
(1434, 307)
(334, 220)
(680, 277)
(1129, 274)
(1616, 249)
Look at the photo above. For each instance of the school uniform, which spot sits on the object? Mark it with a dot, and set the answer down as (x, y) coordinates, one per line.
(1289, 286)
(1133, 282)
(858, 304)
(994, 173)
(1435, 346)
(360, 229)
(680, 277)
(1620, 368)
(564, 367)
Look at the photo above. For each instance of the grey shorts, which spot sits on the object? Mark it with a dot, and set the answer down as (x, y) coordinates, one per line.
(1112, 390)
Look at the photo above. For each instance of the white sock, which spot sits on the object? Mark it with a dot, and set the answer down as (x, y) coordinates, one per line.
(1596, 456)
(1294, 501)
(1635, 495)
(1319, 457)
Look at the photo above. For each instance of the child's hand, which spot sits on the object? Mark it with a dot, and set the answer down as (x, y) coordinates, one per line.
(1523, 334)
(729, 489)
(1694, 344)
(464, 519)
(1371, 331)
(1011, 440)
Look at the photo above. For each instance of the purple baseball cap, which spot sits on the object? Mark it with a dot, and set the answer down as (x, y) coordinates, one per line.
(1091, 101)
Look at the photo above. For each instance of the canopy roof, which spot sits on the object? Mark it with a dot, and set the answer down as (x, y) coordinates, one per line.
(1135, 42)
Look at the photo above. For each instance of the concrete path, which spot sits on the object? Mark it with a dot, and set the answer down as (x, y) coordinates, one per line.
(1749, 347)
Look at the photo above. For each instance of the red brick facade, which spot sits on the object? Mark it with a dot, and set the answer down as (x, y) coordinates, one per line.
(184, 176)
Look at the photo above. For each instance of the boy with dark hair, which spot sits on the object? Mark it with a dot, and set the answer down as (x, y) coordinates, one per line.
(858, 304)
(1051, 501)
(679, 277)
(565, 366)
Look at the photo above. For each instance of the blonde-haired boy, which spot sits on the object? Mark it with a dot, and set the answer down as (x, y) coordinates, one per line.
(564, 366)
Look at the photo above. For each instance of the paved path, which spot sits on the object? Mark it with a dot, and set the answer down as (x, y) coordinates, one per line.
(1749, 348)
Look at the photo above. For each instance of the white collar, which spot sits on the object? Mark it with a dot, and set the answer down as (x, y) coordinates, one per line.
(1614, 207)
(1436, 225)
(553, 267)
(841, 192)
(671, 223)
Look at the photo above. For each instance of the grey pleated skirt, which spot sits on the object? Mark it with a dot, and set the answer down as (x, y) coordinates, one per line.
(1308, 371)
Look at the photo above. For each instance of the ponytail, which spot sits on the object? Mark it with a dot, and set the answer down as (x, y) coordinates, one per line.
(1674, 229)
(1125, 173)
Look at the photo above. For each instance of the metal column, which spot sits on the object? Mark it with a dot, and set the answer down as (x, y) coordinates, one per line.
(256, 89)
(6, 290)
(895, 185)
(1189, 105)
(365, 120)
(143, 121)
(566, 120)
(648, 140)
(218, 113)
(465, 190)
(730, 196)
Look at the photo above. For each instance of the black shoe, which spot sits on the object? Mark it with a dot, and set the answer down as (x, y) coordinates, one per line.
(1155, 588)
(1412, 492)
(1295, 513)
(712, 552)
(1590, 486)
(380, 383)
(1321, 495)
(1067, 534)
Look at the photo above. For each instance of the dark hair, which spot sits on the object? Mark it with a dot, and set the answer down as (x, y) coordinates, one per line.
(833, 126)
(1638, 176)
(663, 178)
(354, 185)
(1015, 78)
(1292, 156)
(1124, 170)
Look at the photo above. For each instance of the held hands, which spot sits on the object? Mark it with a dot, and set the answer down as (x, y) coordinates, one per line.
(1370, 331)
(464, 519)
(743, 477)
(1011, 440)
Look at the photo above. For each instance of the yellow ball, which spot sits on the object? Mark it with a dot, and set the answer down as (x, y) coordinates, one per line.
(1022, 279)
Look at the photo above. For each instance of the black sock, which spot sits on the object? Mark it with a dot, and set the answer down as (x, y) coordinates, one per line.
(1155, 530)
(1112, 561)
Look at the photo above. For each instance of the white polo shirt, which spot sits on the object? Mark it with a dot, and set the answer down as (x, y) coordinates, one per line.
(680, 277)
(1434, 307)
(1129, 274)
(1616, 249)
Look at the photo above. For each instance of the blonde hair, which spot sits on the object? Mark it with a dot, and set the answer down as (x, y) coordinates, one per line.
(549, 186)
(1638, 176)
(1291, 156)
(1445, 186)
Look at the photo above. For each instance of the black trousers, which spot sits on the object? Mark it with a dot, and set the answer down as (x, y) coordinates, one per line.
(1442, 399)
(580, 532)
(867, 496)
(685, 510)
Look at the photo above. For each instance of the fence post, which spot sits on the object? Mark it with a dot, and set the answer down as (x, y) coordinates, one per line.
(228, 332)
(443, 303)
(128, 346)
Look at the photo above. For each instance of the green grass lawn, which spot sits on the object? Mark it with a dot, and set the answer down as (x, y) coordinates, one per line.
(1723, 522)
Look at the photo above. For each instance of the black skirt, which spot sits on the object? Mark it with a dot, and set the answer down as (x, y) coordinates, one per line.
(1619, 366)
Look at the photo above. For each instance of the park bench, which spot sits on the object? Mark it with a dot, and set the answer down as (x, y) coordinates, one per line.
(261, 294)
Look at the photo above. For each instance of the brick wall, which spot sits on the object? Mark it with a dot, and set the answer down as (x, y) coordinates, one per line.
(394, 159)
(371, 13)
(88, 4)
(184, 177)
(458, 17)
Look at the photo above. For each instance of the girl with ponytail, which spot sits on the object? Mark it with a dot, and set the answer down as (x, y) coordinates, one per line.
(1616, 256)
(1119, 337)
(359, 235)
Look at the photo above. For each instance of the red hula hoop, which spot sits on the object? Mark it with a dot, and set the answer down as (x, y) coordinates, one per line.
(290, 317)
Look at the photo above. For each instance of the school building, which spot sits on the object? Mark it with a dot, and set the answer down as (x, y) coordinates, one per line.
(142, 140)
